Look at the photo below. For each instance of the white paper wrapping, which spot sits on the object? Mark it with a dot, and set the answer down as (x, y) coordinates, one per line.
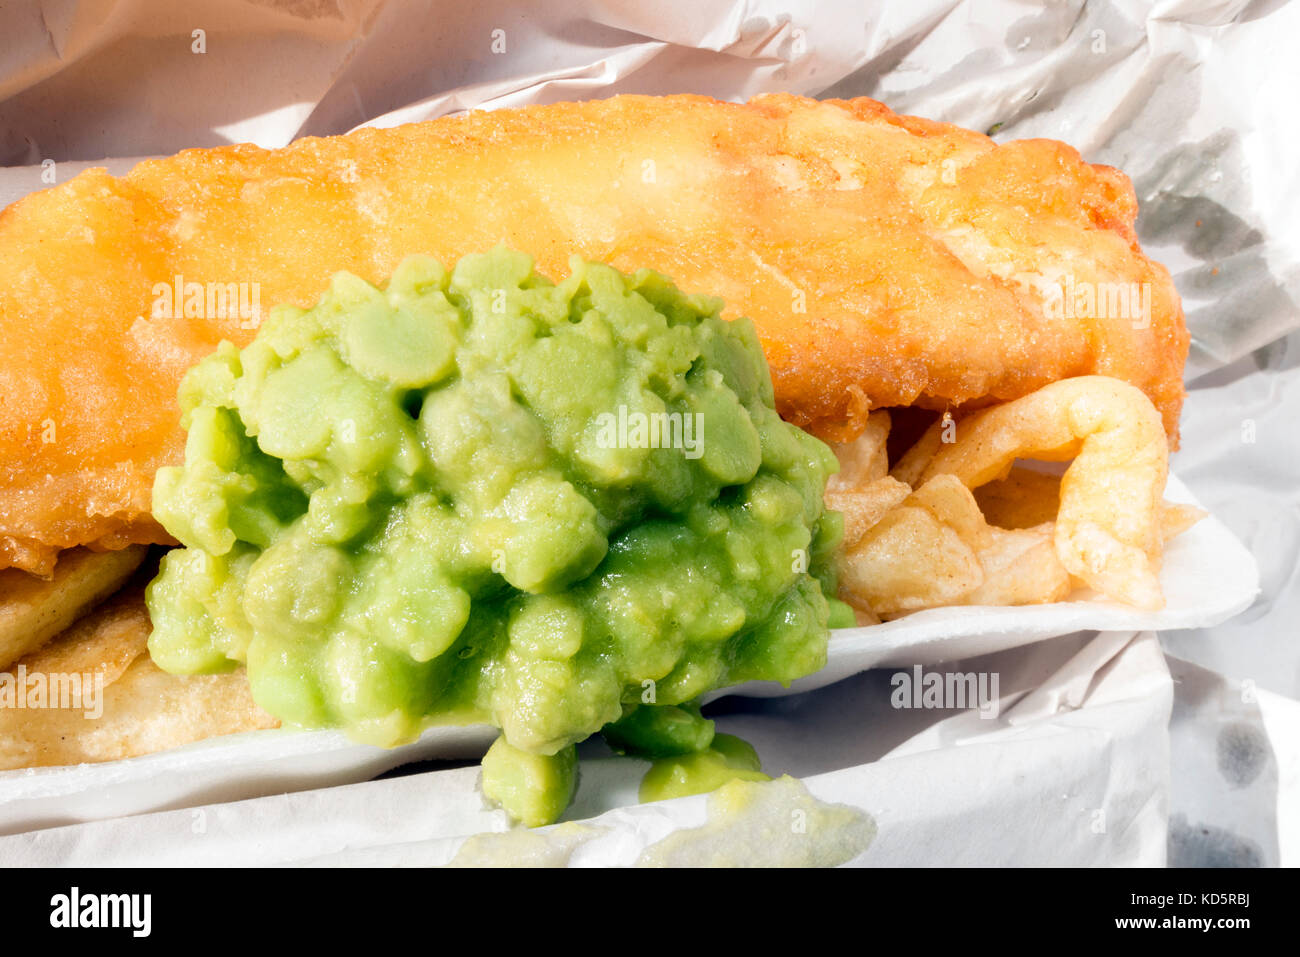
(1194, 98)
(1074, 771)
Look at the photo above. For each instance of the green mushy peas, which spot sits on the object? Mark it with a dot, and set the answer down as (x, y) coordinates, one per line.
(480, 496)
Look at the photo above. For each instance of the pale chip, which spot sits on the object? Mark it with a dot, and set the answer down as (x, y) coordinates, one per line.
(907, 561)
(1021, 568)
(144, 709)
(1108, 528)
(33, 610)
(864, 459)
(863, 507)
(953, 504)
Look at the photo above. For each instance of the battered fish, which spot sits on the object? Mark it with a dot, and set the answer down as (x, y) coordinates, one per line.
(886, 261)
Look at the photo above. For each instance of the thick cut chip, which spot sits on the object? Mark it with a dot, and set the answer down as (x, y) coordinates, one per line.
(864, 459)
(93, 694)
(866, 505)
(907, 561)
(1020, 568)
(1108, 529)
(33, 610)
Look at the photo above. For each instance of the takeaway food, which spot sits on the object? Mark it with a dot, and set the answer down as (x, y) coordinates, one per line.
(402, 504)
(884, 260)
(93, 694)
(917, 536)
(34, 610)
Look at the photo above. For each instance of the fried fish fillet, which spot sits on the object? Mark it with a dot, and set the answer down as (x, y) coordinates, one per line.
(885, 260)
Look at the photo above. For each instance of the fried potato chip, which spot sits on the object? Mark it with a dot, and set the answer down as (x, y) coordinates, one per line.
(1108, 528)
(979, 529)
(1176, 519)
(1020, 568)
(33, 610)
(913, 465)
(863, 507)
(864, 459)
(935, 548)
(1026, 498)
(907, 561)
(953, 504)
(93, 694)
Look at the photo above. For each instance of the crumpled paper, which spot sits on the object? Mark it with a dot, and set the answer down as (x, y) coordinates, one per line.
(1190, 97)
(1072, 770)
(1236, 772)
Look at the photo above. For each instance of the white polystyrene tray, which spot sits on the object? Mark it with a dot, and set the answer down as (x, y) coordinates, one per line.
(1207, 577)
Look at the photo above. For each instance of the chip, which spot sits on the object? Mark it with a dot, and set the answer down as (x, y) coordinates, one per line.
(958, 521)
(33, 610)
(93, 694)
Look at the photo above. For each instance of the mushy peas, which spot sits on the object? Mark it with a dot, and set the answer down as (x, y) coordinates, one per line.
(481, 496)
